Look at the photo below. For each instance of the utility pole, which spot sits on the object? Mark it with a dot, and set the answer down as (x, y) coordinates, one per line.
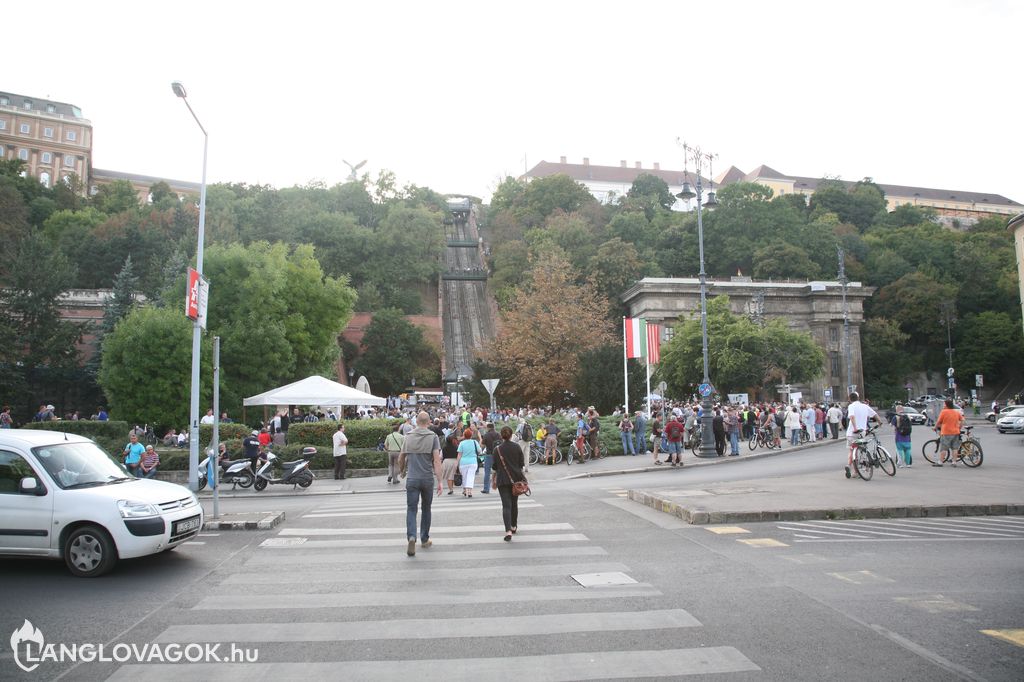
(846, 317)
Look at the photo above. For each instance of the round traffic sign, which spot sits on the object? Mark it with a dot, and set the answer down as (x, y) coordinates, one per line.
(705, 390)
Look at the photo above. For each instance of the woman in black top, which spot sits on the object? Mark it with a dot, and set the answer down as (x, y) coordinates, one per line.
(450, 460)
(508, 460)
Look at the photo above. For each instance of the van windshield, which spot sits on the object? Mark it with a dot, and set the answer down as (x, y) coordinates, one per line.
(79, 464)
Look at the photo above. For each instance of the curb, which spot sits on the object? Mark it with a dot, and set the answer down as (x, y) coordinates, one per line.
(269, 521)
(698, 516)
(710, 461)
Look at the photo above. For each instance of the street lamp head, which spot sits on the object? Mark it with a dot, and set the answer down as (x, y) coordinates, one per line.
(711, 201)
(686, 193)
(179, 89)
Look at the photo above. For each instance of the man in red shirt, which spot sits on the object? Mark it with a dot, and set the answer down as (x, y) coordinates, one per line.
(948, 424)
(674, 431)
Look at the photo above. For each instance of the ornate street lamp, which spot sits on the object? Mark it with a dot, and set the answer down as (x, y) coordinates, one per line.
(699, 158)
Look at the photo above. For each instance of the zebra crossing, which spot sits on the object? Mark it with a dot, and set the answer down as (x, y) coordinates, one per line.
(907, 529)
(470, 607)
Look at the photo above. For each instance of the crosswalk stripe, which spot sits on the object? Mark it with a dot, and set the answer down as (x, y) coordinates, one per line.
(859, 527)
(299, 600)
(446, 530)
(953, 527)
(978, 523)
(511, 551)
(289, 542)
(475, 509)
(815, 529)
(912, 527)
(413, 573)
(550, 668)
(431, 628)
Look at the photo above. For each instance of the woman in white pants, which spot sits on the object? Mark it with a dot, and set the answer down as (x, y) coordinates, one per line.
(469, 449)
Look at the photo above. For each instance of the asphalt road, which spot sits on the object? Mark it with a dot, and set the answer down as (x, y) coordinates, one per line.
(331, 592)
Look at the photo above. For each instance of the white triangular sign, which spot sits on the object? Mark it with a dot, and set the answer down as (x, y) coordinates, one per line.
(490, 385)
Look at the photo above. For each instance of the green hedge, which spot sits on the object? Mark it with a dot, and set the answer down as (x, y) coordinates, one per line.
(227, 432)
(361, 433)
(177, 460)
(83, 427)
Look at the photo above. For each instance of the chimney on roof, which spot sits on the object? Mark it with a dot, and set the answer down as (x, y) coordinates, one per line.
(622, 164)
(638, 165)
(561, 159)
(657, 166)
(586, 160)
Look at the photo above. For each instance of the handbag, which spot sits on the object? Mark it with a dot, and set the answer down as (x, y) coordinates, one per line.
(457, 479)
(518, 487)
(479, 459)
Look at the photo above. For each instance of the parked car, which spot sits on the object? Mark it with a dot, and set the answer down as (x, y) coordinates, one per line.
(1012, 421)
(63, 497)
(916, 417)
(992, 416)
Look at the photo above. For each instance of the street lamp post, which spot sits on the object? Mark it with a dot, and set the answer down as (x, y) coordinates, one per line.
(193, 414)
(699, 157)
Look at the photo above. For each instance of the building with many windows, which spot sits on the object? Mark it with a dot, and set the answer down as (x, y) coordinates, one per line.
(52, 138)
(607, 183)
(55, 142)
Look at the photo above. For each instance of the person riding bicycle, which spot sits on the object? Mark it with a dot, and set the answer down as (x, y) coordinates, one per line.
(948, 425)
(860, 416)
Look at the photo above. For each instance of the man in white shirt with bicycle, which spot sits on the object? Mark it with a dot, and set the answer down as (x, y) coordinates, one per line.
(860, 415)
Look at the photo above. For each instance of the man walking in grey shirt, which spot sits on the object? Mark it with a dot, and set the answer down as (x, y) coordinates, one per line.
(421, 459)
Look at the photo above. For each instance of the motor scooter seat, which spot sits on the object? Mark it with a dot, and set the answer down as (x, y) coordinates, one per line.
(232, 462)
(289, 465)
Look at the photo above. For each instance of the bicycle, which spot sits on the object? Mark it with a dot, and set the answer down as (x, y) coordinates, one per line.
(694, 441)
(871, 454)
(969, 451)
(146, 434)
(538, 456)
(574, 452)
(763, 437)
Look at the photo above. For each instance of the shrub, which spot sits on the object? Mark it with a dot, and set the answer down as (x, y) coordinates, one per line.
(361, 433)
(226, 432)
(177, 460)
(90, 429)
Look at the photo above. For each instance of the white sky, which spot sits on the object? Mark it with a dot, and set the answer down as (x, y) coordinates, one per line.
(456, 95)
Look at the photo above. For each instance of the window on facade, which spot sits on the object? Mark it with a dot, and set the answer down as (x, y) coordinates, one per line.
(69, 160)
(24, 128)
(23, 154)
(28, 104)
(47, 132)
(44, 178)
(51, 109)
(669, 332)
(833, 335)
(71, 135)
(47, 157)
(835, 364)
(4, 101)
(3, 124)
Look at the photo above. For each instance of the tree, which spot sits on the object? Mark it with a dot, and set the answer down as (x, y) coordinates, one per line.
(986, 343)
(915, 300)
(37, 346)
(146, 368)
(394, 352)
(599, 380)
(780, 260)
(116, 197)
(741, 354)
(550, 322)
(885, 358)
(614, 268)
(650, 192)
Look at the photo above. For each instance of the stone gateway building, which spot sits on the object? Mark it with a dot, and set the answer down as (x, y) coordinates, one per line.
(815, 307)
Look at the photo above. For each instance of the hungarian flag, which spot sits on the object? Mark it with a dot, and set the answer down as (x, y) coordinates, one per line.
(636, 337)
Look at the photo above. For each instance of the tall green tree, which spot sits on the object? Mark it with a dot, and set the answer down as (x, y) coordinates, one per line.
(599, 380)
(395, 352)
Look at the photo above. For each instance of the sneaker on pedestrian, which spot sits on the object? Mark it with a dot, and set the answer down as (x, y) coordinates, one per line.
(847, 469)
(411, 551)
(427, 543)
(389, 479)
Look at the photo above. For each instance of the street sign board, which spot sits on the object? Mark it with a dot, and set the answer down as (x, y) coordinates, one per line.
(950, 372)
(490, 385)
(662, 387)
(705, 390)
(828, 394)
(908, 385)
(979, 380)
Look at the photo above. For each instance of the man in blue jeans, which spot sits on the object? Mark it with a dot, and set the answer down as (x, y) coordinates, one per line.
(491, 440)
(421, 460)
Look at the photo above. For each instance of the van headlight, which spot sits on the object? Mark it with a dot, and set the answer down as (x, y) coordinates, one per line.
(134, 510)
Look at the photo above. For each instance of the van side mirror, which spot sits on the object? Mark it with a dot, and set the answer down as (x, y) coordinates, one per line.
(30, 486)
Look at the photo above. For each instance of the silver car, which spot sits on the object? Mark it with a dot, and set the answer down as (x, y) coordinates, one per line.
(1011, 422)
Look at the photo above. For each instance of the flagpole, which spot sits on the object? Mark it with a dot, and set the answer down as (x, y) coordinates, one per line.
(648, 363)
(625, 366)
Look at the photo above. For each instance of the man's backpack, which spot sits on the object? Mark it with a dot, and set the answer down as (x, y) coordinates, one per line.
(780, 419)
(903, 425)
(527, 432)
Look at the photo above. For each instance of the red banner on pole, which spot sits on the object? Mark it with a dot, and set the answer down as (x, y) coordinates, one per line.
(192, 295)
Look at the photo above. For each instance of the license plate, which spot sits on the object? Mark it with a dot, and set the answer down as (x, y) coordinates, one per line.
(185, 525)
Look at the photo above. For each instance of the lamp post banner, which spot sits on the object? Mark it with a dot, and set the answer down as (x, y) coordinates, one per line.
(192, 295)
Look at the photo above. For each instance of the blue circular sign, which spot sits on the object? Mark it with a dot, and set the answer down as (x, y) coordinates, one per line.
(705, 390)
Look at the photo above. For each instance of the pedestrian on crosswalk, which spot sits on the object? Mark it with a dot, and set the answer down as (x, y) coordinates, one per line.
(508, 470)
(469, 450)
(420, 460)
(393, 445)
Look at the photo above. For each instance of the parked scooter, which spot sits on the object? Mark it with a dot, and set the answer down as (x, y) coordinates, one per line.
(293, 473)
(237, 472)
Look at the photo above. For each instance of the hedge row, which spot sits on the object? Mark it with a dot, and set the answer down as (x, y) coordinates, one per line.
(84, 427)
(177, 460)
(361, 433)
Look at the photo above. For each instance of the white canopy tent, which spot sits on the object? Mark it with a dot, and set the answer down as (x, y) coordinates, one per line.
(314, 390)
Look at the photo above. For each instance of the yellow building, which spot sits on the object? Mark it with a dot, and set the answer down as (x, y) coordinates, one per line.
(1016, 227)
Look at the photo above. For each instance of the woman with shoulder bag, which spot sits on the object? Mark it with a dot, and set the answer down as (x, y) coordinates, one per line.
(469, 449)
(508, 472)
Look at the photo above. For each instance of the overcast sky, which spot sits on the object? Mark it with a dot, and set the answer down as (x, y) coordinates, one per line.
(456, 95)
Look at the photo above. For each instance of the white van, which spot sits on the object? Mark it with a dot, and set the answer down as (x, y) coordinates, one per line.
(62, 496)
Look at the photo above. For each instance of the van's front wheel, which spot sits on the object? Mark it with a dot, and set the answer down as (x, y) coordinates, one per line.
(89, 552)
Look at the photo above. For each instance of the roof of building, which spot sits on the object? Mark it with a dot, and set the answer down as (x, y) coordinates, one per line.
(731, 175)
(615, 174)
(38, 105)
(766, 172)
(100, 174)
(924, 193)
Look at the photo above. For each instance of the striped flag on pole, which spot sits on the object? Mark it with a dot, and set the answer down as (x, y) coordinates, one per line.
(636, 337)
(653, 343)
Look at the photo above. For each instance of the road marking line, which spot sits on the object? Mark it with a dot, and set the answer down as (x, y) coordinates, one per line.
(508, 551)
(762, 542)
(826, 532)
(448, 598)
(725, 530)
(431, 628)
(1012, 636)
(303, 543)
(861, 577)
(433, 531)
(194, 542)
(941, 524)
(409, 571)
(561, 667)
(935, 604)
(914, 527)
(854, 526)
(475, 509)
(437, 505)
(807, 559)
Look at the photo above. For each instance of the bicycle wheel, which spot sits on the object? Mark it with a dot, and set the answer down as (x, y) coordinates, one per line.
(571, 454)
(862, 464)
(533, 455)
(886, 461)
(970, 453)
(558, 456)
(930, 450)
(587, 453)
(804, 437)
(754, 442)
